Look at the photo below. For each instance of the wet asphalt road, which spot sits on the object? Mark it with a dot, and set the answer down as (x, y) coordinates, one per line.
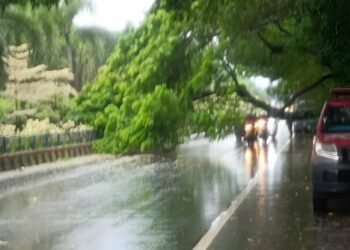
(164, 203)
(278, 212)
(169, 203)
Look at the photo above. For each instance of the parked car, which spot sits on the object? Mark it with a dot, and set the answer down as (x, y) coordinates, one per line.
(330, 161)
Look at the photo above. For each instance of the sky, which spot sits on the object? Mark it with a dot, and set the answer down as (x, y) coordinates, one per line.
(113, 15)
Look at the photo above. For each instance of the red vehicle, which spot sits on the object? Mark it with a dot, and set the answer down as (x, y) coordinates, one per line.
(261, 127)
(249, 133)
(254, 128)
(331, 149)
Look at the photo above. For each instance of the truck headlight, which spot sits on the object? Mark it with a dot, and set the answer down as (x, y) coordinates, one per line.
(327, 150)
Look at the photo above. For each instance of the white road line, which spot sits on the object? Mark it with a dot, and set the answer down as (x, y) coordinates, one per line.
(224, 217)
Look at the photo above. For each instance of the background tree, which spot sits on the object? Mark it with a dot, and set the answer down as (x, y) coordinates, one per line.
(92, 47)
(54, 40)
(5, 3)
(16, 26)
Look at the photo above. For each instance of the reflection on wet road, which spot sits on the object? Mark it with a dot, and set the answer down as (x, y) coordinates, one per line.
(278, 212)
(162, 204)
(170, 202)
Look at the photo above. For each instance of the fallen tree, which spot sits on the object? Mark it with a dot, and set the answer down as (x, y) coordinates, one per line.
(187, 69)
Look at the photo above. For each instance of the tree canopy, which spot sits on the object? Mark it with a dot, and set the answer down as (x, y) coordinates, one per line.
(5, 3)
(188, 68)
(54, 41)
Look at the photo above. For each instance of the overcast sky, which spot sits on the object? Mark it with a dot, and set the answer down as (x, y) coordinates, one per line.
(113, 15)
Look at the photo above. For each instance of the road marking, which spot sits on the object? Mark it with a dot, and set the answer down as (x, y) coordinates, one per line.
(224, 217)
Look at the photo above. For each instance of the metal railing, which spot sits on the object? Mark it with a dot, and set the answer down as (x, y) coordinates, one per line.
(15, 144)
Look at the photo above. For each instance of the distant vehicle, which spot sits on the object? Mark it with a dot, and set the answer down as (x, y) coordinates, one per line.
(258, 127)
(261, 128)
(330, 159)
(249, 131)
(309, 122)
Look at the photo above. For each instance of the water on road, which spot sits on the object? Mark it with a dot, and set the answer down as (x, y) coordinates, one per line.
(158, 204)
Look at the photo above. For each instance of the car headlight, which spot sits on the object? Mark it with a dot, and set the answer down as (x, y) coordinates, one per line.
(327, 150)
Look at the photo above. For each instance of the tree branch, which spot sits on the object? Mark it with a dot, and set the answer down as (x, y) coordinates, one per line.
(307, 89)
(243, 92)
(282, 29)
(203, 95)
(277, 49)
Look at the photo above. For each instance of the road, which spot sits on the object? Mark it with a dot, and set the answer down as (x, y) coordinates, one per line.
(278, 212)
(172, 202)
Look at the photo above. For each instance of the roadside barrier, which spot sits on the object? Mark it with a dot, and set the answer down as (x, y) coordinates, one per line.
(14, 144)
(28, 158)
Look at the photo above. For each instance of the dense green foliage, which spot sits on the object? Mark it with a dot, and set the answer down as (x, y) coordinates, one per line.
(203, 53)
(54, 40)
(143, 99)
(5, 3)
(331, 30)
(15, 112)
(15, 23)
(127, 94)
(143, 124)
